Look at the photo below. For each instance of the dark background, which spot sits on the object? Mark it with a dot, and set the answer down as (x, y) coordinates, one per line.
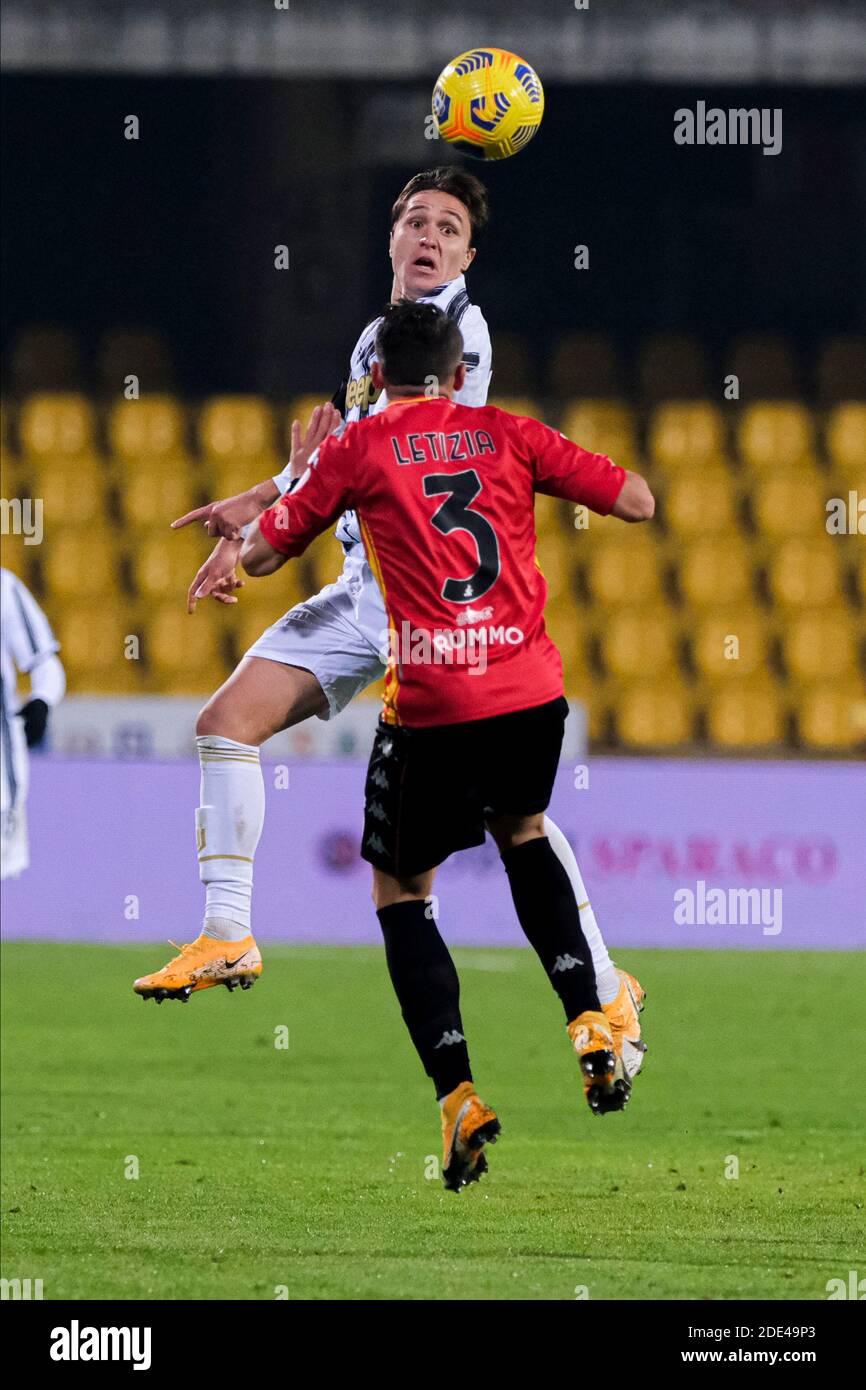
(175, 232)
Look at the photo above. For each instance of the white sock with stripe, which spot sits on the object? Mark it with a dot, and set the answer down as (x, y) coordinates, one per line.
(228, 826)
(606, 978)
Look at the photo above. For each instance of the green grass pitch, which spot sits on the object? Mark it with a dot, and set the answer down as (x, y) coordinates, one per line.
(305, 1170)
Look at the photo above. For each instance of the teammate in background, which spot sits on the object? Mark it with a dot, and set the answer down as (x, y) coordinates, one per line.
(27, 645)
(325, 651)
(445, 500)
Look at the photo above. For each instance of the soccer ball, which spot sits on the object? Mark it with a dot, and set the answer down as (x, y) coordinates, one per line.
(488, 103)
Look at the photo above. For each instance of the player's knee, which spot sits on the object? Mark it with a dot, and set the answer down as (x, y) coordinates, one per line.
(386, 890)
(208, 721)
(218, 720)
(511, 831)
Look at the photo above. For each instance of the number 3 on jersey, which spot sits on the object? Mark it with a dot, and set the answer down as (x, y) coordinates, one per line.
(454, 515)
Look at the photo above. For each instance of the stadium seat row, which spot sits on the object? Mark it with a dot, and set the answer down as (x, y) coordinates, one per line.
(667, 365)
(247, 433)
(587, 572)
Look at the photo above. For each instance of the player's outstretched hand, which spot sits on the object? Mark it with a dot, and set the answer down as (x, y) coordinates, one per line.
(217, 578)
(323, 421)
(227, 517)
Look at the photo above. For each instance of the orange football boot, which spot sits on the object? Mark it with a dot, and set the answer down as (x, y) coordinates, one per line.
(604, 1082)
(622, 1015)
(202, 964)
(467, 1125)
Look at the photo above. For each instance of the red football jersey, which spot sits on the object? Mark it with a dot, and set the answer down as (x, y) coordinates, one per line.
(444, 495)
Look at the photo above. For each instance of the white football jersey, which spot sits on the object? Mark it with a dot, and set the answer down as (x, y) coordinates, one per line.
(27, 644)
(26, 638)
(363, 400)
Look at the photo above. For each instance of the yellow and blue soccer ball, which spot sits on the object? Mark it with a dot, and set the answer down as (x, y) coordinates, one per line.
(488, 103)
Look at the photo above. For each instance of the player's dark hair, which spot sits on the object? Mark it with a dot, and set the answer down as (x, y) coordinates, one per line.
(466, 188)
(415, 342)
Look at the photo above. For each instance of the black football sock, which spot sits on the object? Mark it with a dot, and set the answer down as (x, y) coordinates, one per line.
(548, 913)
(428, 989)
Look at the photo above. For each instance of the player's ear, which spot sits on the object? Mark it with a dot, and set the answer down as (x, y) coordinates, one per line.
(376, 374)
(459, 376)
(468, 258)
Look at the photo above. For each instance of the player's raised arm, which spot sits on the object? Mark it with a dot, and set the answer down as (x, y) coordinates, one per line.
(314, 503)
(564, 469)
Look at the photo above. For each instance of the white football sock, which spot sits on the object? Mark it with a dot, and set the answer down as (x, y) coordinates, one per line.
(228, 826)
(606, 978)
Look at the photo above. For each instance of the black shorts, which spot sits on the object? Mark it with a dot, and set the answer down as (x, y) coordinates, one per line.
(429, 791)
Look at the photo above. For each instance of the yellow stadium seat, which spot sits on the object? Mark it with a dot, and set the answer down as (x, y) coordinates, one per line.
(551, 514)
(124, 352)
(823, 645)
(57, 424)
(147, 430)
(153, 497)
(516, 405)
(672, 364)
(556, 555)
(567, 626)
(94, 641)
(187, 652)
(15, 475)
(164, 563)
(713, 571)
(237, 427)
(805, 573)
(654, 715)
(745, 714)
(72, 492)
(321, 563)
(790, 504)
(80, 564)
(776, 434)
(765, 366)
(701, 504)
(730, 644)
(620, 568)
(227, 479)
(846, 439)
(513, 366)
(686, 434)
(638, 642)
(602, 427)
(16, 555)
(45, 359)
(831, 716)
(841, 372)
(584, 364)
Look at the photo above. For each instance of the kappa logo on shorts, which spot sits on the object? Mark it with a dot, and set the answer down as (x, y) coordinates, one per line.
(380, 779)
(374, 809)
(564, 963)
(448, 1038)
(374, 843)
(387, 747)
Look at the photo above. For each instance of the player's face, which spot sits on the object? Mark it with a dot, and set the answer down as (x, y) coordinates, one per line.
(430, 243)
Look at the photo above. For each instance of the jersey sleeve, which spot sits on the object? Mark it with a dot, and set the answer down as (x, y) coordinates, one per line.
(563, 469)
(476, 357)
(26, 630)
(324, 491)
